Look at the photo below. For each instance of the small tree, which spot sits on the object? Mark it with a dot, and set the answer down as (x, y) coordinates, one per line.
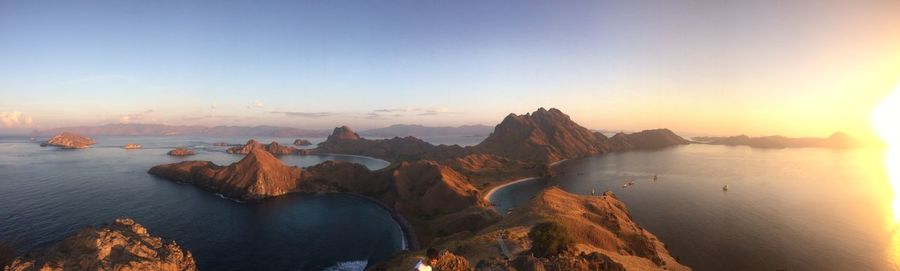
(549, 239)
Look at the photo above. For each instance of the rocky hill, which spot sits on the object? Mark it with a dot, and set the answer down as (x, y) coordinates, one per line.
(122, 245)
(258, 175)
(606, 238)
(545, 135)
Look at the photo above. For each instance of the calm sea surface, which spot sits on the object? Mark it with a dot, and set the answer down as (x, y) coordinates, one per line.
(797, 209)
(49, 193)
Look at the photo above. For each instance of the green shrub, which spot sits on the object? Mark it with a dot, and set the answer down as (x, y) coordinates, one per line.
(549, 239)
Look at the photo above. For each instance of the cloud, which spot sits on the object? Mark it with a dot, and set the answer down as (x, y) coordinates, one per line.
(15, 119)
(392, 110)
(140, 116)
(434, 111)
(256, 104)
(419, 111)
(305, 114)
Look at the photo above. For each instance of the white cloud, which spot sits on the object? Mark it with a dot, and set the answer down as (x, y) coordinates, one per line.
(256, 104)
(15, 119)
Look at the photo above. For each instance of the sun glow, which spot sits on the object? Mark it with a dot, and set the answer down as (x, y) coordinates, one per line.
(886, 124)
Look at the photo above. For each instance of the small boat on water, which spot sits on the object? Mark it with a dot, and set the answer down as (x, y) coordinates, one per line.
(725, 188)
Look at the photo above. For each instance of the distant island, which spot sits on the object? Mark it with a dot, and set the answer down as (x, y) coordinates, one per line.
(437, 191)
(837, 140)
(404, 130)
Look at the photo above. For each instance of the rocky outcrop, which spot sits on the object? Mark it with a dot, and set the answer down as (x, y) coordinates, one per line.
(837, 140)
(180, 152)
(68, 140)
(122, 245)
(606, 238)
(544, 135)
(343, 133)
(302, 142)
(131, 146)
(273, 148)
(598, 224)
(258, 175)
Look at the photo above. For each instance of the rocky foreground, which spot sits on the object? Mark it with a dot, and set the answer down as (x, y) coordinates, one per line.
(123, 245)
(606, 238)
(68, 140)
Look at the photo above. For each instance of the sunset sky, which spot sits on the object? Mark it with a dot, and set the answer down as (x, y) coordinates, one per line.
(698, 67)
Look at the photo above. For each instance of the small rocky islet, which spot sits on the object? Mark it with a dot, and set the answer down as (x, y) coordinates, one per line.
(67, 140)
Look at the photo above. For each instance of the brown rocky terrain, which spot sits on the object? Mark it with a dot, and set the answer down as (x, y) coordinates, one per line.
(549, 136)
(273, 148)
(837, 140)
(67, 140)
(123, 245)
(180, 152)
(302, 142)
(606, 239)
(545, 135)
(258, 175)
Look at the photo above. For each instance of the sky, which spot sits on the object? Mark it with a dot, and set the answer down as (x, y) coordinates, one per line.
(698, 67)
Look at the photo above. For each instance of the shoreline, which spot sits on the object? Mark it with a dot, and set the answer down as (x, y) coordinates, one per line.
(487, 196)
(409, 233)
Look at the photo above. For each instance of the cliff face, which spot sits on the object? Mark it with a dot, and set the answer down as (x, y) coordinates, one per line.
(273, 148)
(122, 245)
(68, 140)
(545, 135)
(258, 175)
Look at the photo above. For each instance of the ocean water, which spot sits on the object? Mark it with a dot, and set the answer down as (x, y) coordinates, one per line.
(793, 209)
(49, 193)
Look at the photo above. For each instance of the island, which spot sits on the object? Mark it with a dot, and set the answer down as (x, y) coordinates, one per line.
(273, 148)
(837, 140)
(121, 245)
(67, 140)
(180, 152)
(131, 146)
(302, 142)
